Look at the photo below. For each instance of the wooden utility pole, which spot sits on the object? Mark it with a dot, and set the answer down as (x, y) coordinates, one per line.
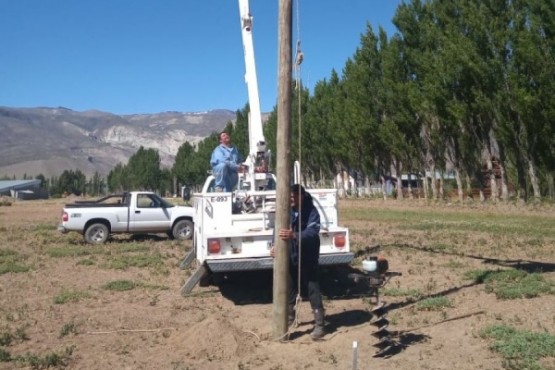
(283, 169)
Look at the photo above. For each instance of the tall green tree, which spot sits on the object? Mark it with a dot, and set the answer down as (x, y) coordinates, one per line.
(144, 169)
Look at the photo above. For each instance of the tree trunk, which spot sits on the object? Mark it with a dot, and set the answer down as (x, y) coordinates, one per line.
(399, 185)
(468, 186)
(367, 186)
(551, 186)
(410, 186)
(504, 185)
(458, 179)
(339, 184)
(434, 182)
(441, 190)
(534, 181)
(492, 181)
(425, 184)
(522, 192)
(384, 187)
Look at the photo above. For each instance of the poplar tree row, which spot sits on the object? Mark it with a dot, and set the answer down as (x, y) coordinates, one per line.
(465, 86)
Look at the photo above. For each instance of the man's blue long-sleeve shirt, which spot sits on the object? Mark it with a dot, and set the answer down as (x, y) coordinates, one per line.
(225, 162)
(307, 232)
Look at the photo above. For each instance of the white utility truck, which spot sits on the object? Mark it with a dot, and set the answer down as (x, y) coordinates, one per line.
(234, 231)
(136, 212)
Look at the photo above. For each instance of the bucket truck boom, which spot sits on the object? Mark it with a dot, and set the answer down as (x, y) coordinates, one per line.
(257, 143)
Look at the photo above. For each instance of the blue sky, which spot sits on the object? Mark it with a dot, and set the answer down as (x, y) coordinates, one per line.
(150, 56)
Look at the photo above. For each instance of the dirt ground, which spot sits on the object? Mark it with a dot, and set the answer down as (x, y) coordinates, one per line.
(229, 326)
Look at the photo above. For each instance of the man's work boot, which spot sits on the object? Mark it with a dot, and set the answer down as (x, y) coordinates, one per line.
(318, 332)
(290, 314)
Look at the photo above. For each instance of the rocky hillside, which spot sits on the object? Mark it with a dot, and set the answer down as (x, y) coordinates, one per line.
(50, 140)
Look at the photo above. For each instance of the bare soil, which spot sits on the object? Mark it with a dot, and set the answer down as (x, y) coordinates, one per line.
(229, 325)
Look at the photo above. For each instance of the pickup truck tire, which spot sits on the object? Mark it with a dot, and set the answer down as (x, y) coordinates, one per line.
(183, 229)
(96, 233)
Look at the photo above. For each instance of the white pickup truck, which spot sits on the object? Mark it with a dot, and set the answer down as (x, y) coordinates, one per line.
(137, 212)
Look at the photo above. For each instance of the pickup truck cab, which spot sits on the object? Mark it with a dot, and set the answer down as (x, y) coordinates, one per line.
(137, 212)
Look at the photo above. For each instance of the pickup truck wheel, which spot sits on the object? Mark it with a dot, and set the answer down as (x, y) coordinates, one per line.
(96, 233)
(183, 230)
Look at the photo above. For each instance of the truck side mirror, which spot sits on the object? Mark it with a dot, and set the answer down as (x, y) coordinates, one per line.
(186, 193)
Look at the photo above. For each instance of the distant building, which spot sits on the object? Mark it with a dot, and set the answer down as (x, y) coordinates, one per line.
(23, 189)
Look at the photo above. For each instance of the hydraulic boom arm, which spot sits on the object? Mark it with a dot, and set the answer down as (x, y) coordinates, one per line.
(257, 157)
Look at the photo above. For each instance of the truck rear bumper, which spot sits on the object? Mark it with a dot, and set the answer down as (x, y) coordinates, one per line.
(62, 229)
(267, 263)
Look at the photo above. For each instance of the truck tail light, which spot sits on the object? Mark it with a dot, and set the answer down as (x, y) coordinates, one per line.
(339, 240)
(214, 246)
(65, 217)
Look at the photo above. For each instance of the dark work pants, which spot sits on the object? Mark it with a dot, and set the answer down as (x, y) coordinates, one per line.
(310, 284)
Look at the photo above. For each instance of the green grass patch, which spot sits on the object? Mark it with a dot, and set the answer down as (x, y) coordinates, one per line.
(11, 261)
(441, 247)
(153, 261)
(120, 285)
(86, 262)
(452, 264)
(44, 229)
(12, 267)
(73, 251)
(132, 248)
(434, 304)
(66, 296)
(512, 284)
(124, 285)
(5, 355)
(69, 328)
(519, 349)
(48, 360)
(440, 220)
(6, 339)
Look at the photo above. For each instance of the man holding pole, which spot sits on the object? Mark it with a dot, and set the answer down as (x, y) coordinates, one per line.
(304, 248)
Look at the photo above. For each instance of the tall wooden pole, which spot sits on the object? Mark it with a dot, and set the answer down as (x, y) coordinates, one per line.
(283, 169)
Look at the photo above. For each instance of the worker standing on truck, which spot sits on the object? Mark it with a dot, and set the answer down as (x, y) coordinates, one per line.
(304, 240)
(226, 163)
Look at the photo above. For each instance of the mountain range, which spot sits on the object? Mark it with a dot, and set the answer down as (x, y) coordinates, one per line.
(50, 140)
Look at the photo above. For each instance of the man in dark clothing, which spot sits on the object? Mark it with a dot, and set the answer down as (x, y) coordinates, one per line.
(304, 243)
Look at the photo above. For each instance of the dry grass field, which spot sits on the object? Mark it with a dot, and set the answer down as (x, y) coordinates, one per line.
(477, 291)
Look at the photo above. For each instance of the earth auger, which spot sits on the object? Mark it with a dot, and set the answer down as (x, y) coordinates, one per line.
(375, 275)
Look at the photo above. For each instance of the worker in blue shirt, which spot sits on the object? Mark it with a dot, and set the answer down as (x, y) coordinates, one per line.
(226, 163)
